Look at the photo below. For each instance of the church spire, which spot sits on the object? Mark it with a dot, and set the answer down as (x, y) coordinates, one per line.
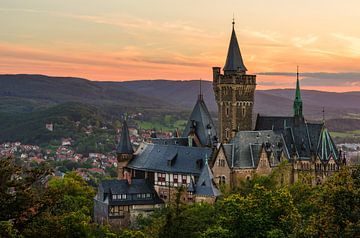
(234, 61)
(298, 109)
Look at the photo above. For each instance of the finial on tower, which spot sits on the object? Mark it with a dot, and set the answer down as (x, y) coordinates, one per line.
(297, 72)
(200, 96)
(200, 87)
(233, 20)
(323, 114)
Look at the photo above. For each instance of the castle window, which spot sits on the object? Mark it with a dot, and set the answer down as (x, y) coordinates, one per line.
(176, 178)
(161, 177)
(227, 111)
(222, 179)
(221, 163)
(227, 132)
(118, 210)
(183, 179)
(243, 111)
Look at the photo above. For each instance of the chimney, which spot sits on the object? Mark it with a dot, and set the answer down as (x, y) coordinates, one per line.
(216, 73)
(127, 176)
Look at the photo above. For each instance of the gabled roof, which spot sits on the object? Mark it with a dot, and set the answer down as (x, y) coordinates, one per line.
(199, 122)
(206, 185)
(276, 123)
(303, 139)
(245, 148)
(169, 158)
(326, 147)
(122, 186)
(137, 186)
(234, 61)
(124, 146)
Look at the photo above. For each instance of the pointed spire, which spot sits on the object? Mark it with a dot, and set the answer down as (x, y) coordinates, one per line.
(125, 146)
(234, 61)
(205, 185)
(297, 107)
(200, 122)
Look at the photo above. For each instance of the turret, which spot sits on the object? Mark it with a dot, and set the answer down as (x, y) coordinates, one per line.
(124, 152)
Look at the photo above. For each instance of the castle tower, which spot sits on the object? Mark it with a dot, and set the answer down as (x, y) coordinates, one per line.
(234, 93)
(124, 151)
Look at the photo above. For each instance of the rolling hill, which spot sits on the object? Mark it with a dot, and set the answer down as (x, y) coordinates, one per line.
(25, 93)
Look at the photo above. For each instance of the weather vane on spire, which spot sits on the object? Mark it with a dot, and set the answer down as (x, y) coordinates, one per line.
(297, 72)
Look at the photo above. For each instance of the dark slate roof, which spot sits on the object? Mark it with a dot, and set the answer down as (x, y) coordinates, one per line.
(228, 149)
(121, 186)
(273, 123)
(205, 185)
(183, 141)
(199, 121)
(115, 186)
(245, 148)
(302, 139)
(326, 147)
(169, 158)
(124, 146)
(234, 60)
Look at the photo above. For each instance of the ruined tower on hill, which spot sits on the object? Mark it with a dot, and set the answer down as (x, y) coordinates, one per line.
(234, 93)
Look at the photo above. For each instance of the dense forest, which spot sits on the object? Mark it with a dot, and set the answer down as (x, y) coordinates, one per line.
(35, 204)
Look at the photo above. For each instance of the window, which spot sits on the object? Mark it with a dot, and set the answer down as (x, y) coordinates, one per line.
(221, 163)
(222, 179)
(243, 111)
(118, 210)
(148, 195)
(227, 111)
(161, 177)
(184, 179)
(227, 133)
(175, 178)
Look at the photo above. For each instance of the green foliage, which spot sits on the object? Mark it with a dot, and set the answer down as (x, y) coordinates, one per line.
(263, 207)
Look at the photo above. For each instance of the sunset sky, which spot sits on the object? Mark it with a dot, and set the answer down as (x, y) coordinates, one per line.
(121, 40)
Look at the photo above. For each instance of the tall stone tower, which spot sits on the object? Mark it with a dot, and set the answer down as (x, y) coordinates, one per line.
(124, 152)
(234, 93)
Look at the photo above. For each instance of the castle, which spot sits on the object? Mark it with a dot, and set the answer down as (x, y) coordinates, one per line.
(203, 158)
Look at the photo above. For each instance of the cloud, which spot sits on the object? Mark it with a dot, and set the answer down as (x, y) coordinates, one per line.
(323, 79)
(352, 42)
(304, 41)
(271, 36)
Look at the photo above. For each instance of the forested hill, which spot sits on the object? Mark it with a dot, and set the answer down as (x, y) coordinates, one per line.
(25, 93)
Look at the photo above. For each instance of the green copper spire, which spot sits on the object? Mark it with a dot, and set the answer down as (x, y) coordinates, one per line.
(297, 102)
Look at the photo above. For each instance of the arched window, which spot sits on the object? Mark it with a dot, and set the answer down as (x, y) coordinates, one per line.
(222, 179)
(227, 132)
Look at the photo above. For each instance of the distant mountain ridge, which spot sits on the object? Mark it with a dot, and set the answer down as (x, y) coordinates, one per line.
(29, 92)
